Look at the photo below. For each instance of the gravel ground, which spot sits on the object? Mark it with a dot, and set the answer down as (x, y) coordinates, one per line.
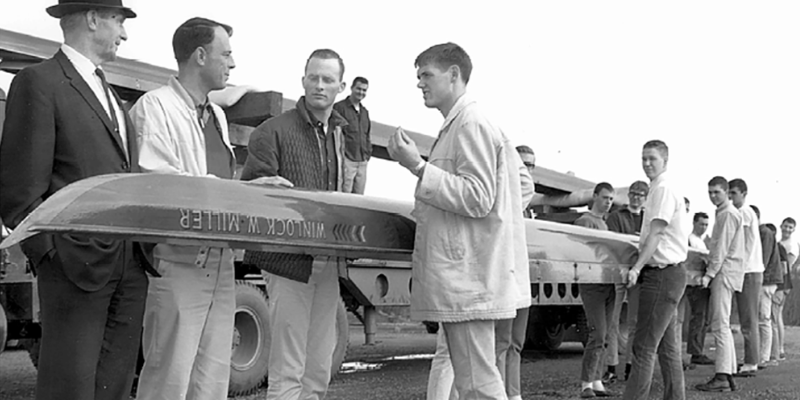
(545, 375)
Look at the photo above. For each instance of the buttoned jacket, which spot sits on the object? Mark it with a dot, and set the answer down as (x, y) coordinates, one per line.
(171, 141)
(470, 258)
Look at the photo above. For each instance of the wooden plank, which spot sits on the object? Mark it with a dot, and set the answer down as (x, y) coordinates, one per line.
(254, 108)
(239, 134)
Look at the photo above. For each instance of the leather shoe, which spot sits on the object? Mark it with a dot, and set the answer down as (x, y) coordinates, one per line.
(702, 359)
(714, 385)
(610, 377)
(602, 393)
(587, 393)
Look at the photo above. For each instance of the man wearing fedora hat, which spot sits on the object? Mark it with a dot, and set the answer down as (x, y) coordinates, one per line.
(65, 123)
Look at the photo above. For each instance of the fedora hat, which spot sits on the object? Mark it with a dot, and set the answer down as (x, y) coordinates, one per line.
(66, 7)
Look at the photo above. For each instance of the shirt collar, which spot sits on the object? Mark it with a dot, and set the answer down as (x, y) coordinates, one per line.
(335, 119)
(177, 86)
(460, 104)
(82, 63)
(724, 206)
(353, 104)
(317, 123)
(659, 179)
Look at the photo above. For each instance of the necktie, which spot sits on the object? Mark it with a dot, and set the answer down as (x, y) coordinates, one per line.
(107, 91)
(203, 114)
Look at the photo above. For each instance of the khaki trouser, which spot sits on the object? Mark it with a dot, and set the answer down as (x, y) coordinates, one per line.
(188, 326)
(440, 378)
(720, 326)
(355, 176)
(765, 320)
(303, 323)
(470, 372)
(616, 340)
(509, 340)
(777, 324)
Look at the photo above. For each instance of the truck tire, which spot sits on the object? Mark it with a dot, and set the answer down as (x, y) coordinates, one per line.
(545, 335)
(251, 340)
(3, 328)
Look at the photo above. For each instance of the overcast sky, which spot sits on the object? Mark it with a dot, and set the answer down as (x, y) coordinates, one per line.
(585, 83)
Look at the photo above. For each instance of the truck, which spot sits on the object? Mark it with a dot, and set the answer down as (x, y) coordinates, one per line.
(561, 255)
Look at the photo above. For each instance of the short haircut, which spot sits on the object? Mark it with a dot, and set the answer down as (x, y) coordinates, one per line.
(739, 184)
(758, 212)
(327, 54)
(444, 56)
(360, 79)
(639, 185)
(195, 32)
(719, 181)
(772, 228)
(658, 145)
(603, 185)
(789, 220)
(522, 149)
(699, 215)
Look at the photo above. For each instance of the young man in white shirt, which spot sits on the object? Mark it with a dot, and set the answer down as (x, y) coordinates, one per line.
(663, 245)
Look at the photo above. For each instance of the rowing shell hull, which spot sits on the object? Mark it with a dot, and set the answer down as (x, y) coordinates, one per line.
(216, 212)
(234, 214)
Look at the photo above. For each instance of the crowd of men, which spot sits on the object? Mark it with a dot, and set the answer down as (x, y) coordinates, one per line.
(64, 123)
(470, 263)
(745, 261)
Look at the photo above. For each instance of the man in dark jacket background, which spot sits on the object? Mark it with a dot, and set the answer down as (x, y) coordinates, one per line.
(357, 142)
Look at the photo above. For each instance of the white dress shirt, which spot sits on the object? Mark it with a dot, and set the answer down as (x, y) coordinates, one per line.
(664, 202)
(754, 259)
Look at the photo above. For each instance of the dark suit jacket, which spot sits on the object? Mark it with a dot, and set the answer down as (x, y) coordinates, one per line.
(56, 132)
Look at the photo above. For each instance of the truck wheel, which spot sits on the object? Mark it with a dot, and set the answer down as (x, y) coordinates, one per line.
(3, 329)
(251, 340)
(342, 339)
(545, 335)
